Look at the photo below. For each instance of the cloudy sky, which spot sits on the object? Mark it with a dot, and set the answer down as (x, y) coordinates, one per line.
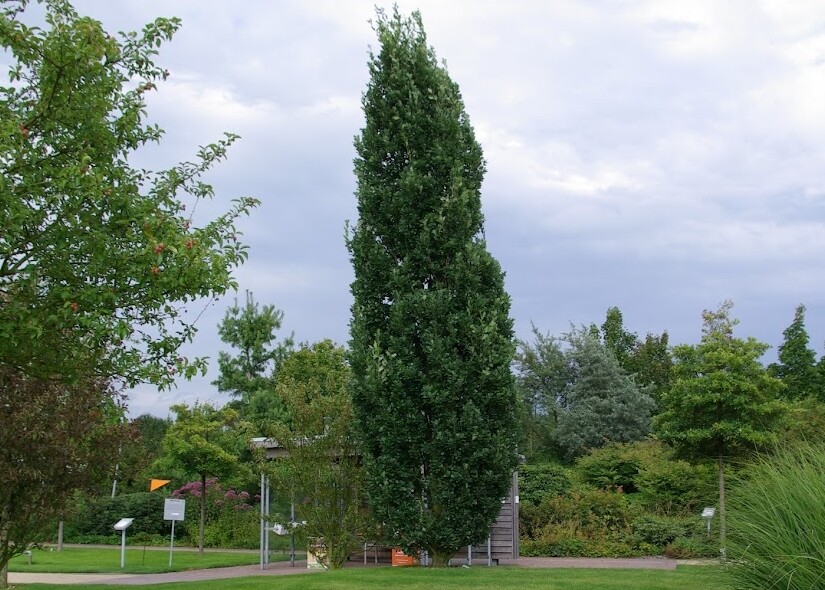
(655, 155)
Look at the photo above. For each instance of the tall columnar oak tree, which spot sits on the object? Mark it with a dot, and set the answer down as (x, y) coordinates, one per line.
(96, 255)
(723, 403)
(432, 340)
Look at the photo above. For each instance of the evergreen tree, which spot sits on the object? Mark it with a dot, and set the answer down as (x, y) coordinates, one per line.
(797, 362)
(602, 403)
(250, 376)
(617, 339)
(431, 337)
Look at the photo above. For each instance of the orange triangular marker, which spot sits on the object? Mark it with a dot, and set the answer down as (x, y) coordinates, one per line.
(157, 483)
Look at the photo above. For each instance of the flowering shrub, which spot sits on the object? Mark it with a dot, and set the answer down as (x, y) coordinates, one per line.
(232, 519)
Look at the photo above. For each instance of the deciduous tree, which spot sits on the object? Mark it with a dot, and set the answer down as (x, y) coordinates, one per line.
(54, 439)
(205, 441)
(323, 467)
(432, 340)
(97, 258)
(723, 402)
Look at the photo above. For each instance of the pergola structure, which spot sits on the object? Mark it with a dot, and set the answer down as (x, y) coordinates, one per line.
(502, 542)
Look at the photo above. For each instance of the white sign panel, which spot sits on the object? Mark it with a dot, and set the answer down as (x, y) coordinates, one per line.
(123, 524)
(173, 509)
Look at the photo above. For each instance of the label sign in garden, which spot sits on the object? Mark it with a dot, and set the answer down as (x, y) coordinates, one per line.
(173, 509)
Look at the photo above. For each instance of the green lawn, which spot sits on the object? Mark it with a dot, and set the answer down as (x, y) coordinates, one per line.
(477, 578)
(107, 560)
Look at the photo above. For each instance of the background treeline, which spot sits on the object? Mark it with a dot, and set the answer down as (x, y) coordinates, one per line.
(607, 470)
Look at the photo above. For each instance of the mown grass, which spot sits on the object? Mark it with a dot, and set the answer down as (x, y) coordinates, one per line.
(138, 561)
(476, 578)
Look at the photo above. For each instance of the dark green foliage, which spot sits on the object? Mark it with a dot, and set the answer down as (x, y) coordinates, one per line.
(723, 402)
(602, 404)
(611, 467)
(660, 531)
(432, 339)
(652, 365)
(777, 521)
(545, 480)
(671, 486)
(138, 451)
(694, 547)
(661, 483)
(542, 378)
(797, 362)
(250, 376)
(96, 516)
(617, 339)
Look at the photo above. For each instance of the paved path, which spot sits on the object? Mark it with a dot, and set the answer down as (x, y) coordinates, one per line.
(283, 568)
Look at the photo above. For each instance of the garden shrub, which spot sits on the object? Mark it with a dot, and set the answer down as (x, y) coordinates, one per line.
(692, 548)
(95, 516)
(537, 482)
(660, 531)
(777, 522)
(677, 487)
(231, 519)
(616, 465)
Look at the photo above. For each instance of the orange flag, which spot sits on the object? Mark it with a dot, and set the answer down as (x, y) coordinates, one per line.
(157, 483)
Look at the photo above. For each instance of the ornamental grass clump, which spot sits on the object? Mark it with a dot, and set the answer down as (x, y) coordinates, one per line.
(777, 521)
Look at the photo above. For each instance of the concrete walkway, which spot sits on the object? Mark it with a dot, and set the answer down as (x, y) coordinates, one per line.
(283, 568)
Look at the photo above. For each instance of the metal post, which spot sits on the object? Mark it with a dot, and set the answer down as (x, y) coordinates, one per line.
(266, 529)
(489, 552)
(60, 536)
(261, 544)
(172, 544)
(122, 548)
(469, 555)
(292, 535)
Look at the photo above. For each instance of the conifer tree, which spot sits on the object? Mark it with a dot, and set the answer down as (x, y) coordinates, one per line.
(431, 336)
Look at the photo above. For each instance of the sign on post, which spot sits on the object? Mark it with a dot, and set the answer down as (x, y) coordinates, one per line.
(173, 509)
(121, 526)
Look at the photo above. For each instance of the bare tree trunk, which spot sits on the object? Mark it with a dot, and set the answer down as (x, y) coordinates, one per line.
(722, 547)
(203, 512)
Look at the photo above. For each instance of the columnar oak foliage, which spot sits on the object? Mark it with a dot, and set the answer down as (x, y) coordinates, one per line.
(432, 340)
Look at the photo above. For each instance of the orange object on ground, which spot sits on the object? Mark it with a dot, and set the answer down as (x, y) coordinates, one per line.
(399, 558)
